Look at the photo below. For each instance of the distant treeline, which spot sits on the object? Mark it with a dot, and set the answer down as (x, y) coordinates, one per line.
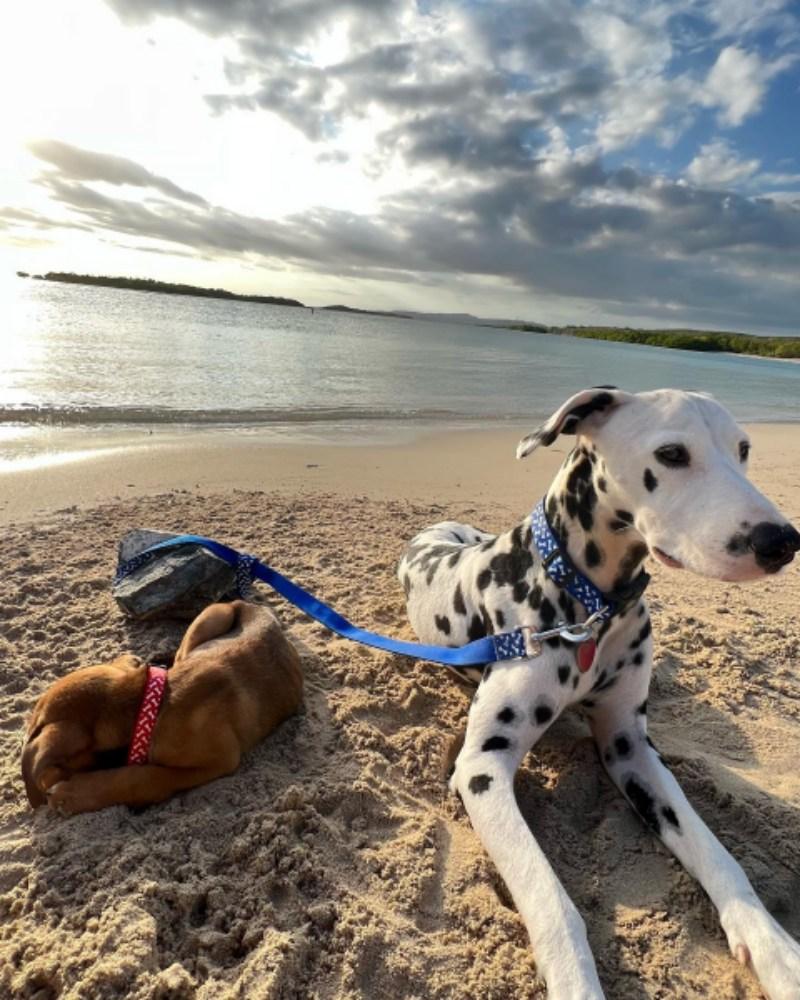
(687, 340)
(167, 287)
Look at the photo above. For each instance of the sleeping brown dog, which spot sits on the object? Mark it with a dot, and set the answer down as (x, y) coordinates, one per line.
(234, 679)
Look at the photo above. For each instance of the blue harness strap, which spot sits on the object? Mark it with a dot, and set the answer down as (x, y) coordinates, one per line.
(505, 646)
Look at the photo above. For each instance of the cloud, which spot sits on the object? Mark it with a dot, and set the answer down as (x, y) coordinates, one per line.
(497, 141)
(568, 227)
(744, 18)
(460, 141)
(448, 81)
(296, 92)
(737, 83)
(11, 217)
(718, 165)
(85, 165)
(284, 21)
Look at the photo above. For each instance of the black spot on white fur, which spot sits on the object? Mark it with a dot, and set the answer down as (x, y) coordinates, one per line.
(593, 554)
(643, 802)
(442, 623)
(623, 746)
(547, 612)
(541, 714)
(581, 495)
(669, 815)
(738, 544)
(520, 591)
(479, 783)
(476, 628)
(650, 481)
(496, 743)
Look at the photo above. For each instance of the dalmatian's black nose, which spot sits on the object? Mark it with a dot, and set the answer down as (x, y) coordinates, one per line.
(774, 545)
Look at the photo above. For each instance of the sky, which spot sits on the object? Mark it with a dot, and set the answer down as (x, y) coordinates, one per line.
(563, 161)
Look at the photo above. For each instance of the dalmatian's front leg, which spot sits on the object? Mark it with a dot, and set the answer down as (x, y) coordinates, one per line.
(511, 710)
(754, 936)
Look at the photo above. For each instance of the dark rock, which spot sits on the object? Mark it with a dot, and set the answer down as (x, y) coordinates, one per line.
(176, 583)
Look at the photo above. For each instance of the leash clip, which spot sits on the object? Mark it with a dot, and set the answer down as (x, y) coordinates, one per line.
(577, 634)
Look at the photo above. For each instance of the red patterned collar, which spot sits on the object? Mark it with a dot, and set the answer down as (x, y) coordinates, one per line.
(154, 688)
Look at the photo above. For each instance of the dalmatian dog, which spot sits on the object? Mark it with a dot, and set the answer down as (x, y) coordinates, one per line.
(657, 473)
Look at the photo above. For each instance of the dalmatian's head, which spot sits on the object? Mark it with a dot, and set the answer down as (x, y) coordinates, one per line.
(677, 462)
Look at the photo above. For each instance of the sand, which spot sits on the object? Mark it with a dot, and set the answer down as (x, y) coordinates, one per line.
(333, 865)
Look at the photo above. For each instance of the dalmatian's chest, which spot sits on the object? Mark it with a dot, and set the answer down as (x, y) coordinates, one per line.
(462, 584)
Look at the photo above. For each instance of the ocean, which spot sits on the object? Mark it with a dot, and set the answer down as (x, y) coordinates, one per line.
(80, 356)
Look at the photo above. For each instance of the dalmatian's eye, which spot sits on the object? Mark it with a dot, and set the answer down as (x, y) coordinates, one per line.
(744, 451)
(672, 455)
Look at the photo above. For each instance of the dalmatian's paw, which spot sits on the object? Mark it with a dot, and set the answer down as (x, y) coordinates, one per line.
(569, 989)
(758, 941)
(572, 975)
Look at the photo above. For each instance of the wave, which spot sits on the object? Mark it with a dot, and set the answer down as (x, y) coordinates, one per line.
(118, 415)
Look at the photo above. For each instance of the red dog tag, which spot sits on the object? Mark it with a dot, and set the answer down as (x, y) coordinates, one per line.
(585, 655)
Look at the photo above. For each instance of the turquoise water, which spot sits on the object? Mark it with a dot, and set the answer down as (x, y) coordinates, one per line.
(108, 357)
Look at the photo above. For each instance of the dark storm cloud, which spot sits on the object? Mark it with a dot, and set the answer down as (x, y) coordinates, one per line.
(85, 165)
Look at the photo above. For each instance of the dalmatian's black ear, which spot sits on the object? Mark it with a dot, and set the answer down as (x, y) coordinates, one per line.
(599, 400)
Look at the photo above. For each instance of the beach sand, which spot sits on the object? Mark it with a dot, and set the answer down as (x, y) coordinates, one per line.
(333, 865)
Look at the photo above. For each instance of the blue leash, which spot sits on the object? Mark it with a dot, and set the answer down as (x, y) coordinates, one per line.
(521, 642)
(504, 646)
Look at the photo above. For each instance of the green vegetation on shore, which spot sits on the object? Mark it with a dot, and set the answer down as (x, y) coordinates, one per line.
(166, 287)
(685, 340)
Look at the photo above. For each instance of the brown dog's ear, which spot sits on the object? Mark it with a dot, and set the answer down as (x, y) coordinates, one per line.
(49, 756)
(570, 415)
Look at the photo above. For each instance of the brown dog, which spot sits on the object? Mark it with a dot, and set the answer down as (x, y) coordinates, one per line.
(234, 679)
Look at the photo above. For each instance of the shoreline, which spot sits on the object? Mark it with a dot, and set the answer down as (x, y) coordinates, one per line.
(450, 465)
(454, 466)
(761, 357)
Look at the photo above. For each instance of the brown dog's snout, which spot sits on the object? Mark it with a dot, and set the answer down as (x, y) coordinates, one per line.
(774, 545)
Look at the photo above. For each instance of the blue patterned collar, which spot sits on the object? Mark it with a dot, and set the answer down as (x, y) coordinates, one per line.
(564, 573)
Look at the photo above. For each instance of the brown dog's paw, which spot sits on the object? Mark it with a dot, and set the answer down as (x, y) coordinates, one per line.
(63, 799)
